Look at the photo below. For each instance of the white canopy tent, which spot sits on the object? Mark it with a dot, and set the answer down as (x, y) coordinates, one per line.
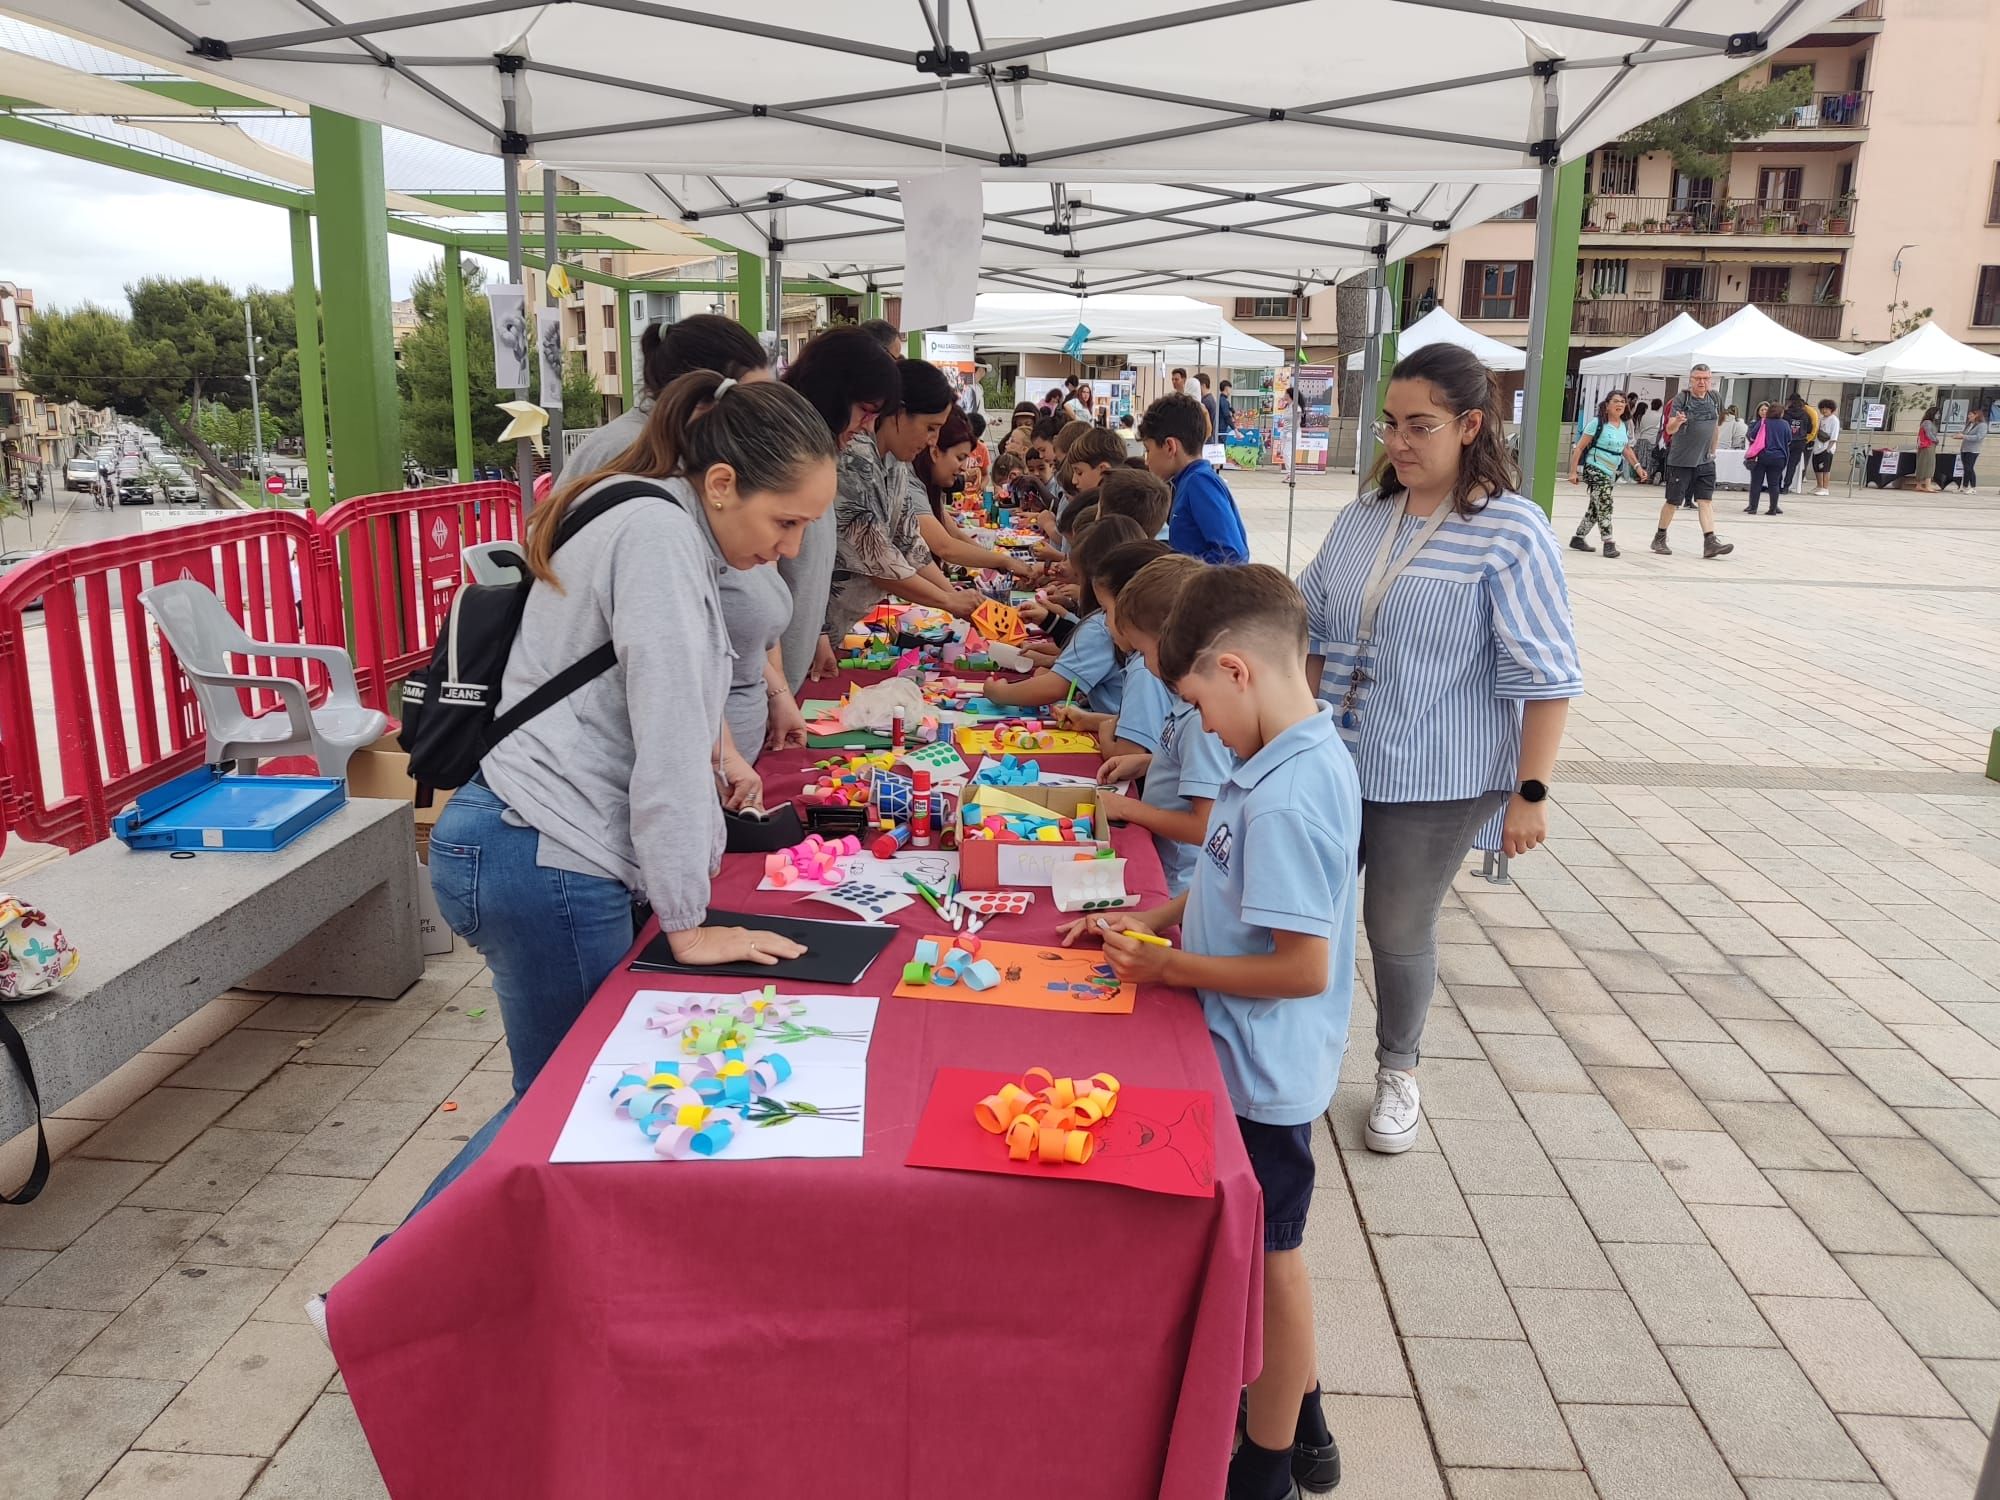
(1626, 360)
(1344, 91)
(1927, 355)
(1240, 351)
(1439, 327)
(1038, 322)
(1749, 343)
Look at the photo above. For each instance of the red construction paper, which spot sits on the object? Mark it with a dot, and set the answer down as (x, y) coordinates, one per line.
(1158, 1141)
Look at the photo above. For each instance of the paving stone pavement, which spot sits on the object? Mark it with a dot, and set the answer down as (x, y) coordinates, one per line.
(1704, 1204)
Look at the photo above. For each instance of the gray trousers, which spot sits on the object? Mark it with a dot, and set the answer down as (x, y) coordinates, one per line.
(1410, 851)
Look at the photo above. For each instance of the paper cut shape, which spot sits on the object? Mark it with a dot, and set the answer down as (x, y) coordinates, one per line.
(867, 899)
(996, 903)
(1157, 1140)
(1000, 622)
(1047, 742)
(1090, 885)
(1033, 977)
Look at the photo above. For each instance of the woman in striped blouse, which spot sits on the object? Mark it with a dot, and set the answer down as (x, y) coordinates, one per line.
(1441, 625)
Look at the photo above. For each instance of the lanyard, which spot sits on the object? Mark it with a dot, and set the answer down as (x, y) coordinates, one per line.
(1389, 565)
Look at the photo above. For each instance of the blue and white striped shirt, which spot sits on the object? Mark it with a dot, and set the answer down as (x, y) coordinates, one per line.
(1477, 624)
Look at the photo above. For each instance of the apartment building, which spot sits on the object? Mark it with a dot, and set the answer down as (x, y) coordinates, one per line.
(1883, 187)
(35, 435)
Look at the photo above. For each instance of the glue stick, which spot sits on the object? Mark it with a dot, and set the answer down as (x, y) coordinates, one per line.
(893, 837)
(896, 728)
(920, 810)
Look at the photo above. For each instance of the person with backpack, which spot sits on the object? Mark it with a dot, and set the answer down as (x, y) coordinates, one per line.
(1594, 464)
(606, 793)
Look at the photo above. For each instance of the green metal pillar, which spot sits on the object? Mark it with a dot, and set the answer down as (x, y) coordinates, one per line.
(1394, 277)
(461, 383)
(1559, 291)
(625, 355)
(871, 305)
(312, 398)
(913, 343)
(349, 195)
(749, 291)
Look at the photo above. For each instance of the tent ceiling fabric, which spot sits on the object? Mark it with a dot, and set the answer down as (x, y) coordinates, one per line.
(1131, 90)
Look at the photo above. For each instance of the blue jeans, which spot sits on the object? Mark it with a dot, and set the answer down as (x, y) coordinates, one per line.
(549, 936)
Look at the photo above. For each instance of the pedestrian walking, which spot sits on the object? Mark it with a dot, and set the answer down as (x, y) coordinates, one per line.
(1600, 448)
(1969, 443)
(1769, 452)
(1824, 444)
(1690, 428)
(1927, 448)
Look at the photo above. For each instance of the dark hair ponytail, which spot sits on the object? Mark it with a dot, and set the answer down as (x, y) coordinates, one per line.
(1462, 385)
(705, 341)
(767, 432)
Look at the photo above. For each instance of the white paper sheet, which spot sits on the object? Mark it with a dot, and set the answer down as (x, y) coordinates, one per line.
(943, 219)
(827, 1046)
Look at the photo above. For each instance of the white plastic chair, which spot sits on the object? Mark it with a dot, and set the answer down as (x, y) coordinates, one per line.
(204, 637)
(495, 562)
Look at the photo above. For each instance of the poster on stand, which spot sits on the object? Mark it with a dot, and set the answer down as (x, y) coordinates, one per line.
(1312, 393)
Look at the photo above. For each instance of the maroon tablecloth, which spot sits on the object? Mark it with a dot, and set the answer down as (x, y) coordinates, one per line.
(821, 1328)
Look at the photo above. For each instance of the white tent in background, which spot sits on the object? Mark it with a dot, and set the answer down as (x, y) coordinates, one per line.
(1624, 361)
(1240, 351)
(1041, 322)
(1439, 327)
(1749, 343)
(1927, 355)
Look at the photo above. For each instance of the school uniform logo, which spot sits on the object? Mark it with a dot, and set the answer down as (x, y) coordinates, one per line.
(1170, 732)
(1218, 847)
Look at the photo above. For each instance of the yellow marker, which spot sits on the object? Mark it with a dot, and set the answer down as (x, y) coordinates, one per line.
(1133, 933)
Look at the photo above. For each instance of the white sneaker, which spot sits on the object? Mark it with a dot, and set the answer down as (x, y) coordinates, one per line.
(1392, 1119)
(1822, 492)
(316, 1315)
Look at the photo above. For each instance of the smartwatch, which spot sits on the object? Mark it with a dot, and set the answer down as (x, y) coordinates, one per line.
(1534, 791)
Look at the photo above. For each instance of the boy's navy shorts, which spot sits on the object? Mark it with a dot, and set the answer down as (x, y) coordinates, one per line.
(1282, 1158)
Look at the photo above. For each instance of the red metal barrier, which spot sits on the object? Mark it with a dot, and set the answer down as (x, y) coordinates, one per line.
(125, 717)
(399, 555)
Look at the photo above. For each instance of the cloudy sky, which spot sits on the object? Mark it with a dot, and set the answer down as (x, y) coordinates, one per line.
(77, 232)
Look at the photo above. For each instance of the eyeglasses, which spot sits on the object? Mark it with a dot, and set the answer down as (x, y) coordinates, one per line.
(1413, 431)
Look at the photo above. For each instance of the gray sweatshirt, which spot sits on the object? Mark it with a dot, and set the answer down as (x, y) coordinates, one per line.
(605, 444)
(810, 578)
(618, 777)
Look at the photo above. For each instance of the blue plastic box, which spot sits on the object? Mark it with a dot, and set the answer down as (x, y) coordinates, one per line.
(205, 810)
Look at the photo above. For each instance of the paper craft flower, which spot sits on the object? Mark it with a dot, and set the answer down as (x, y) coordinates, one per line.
(1048, 1119)
(525, 420)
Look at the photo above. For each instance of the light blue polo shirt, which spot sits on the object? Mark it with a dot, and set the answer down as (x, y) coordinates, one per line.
(1189, 763)
(1091, 662)
(1143, 710)
(1281, 854)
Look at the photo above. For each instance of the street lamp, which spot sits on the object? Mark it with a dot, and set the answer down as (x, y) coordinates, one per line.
(1896, 291)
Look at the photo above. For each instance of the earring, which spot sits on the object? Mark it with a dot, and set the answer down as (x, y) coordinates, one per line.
(716, 503)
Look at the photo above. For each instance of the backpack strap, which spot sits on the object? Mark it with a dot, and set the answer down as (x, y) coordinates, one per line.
(595, 663)
(38, 1175)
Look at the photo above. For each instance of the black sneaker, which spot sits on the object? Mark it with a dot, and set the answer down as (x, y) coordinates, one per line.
(1775, 511)
(1611, 549)
(1660, 546)
(1711, 547)
(1578, 544)
(1315, 1466)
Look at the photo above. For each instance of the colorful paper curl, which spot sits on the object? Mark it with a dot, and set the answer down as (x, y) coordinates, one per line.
(716, 1024)
(1048, 1119)
(681, 1106)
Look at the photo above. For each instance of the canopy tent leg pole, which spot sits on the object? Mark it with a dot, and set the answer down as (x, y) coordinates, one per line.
(551, 304)
(461, 381)
(1371, 357)
(625, 351)
(1288, 433)
(749, 291)
(1558, 217)
(774, 288)
(312, 397)
(354, 264)
(524, 450)
(1393, 299)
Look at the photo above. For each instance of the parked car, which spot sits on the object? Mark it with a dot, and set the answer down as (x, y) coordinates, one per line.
(9, 561)
(80, 474)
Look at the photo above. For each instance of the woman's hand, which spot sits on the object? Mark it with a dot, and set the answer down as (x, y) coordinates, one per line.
(1123, 768)
(1574, 477)
(962, 602)
(1641, 473)
(1527, 826)
(1117, 921)
(825, 663)
(741, 785)
(731, 945)
(787, 728)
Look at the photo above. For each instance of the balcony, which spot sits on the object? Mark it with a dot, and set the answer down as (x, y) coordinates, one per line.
(1835, 119)
(1814, 220)
(1631, 318)
(1847, 29)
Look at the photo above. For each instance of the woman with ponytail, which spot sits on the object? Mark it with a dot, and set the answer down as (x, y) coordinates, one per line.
(667, 351)
(1441, 624)
(609, 796)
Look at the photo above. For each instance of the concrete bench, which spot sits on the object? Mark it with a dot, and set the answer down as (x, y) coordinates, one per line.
(333, 913)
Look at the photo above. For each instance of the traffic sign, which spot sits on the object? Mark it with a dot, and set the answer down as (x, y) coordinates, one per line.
(274, 484)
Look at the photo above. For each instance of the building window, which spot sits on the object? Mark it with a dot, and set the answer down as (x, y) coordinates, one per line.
(1520, 210)
(610, 361)
(1770, 283)
(1993, 202)
(1986, 300)
(1264, 307)
(1681, 284)
(604, 264)
(1608, 277)
(1616, 173)
(1496, 289)
(610, 316)
(1689, 191)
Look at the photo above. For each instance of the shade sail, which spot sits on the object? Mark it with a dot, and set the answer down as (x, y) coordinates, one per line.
(1288, 91)
(1927, 355)
(1623, 361)
(1749, 343)
(1439, 327)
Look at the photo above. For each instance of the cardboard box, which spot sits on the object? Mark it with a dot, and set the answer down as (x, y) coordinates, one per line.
(382, 770)
(989, 864)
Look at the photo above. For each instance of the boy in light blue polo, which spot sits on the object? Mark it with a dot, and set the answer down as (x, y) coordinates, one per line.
(1268, 942)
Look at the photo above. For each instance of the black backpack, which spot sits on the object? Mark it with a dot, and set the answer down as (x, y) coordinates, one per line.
(449, 721)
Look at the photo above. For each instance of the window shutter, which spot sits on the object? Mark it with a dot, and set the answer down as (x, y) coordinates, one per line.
(1468, 297)
(1524, 288)
(1245, 307)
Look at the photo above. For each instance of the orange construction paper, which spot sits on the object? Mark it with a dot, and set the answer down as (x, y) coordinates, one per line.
(1000, 622)
(1040, 966)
